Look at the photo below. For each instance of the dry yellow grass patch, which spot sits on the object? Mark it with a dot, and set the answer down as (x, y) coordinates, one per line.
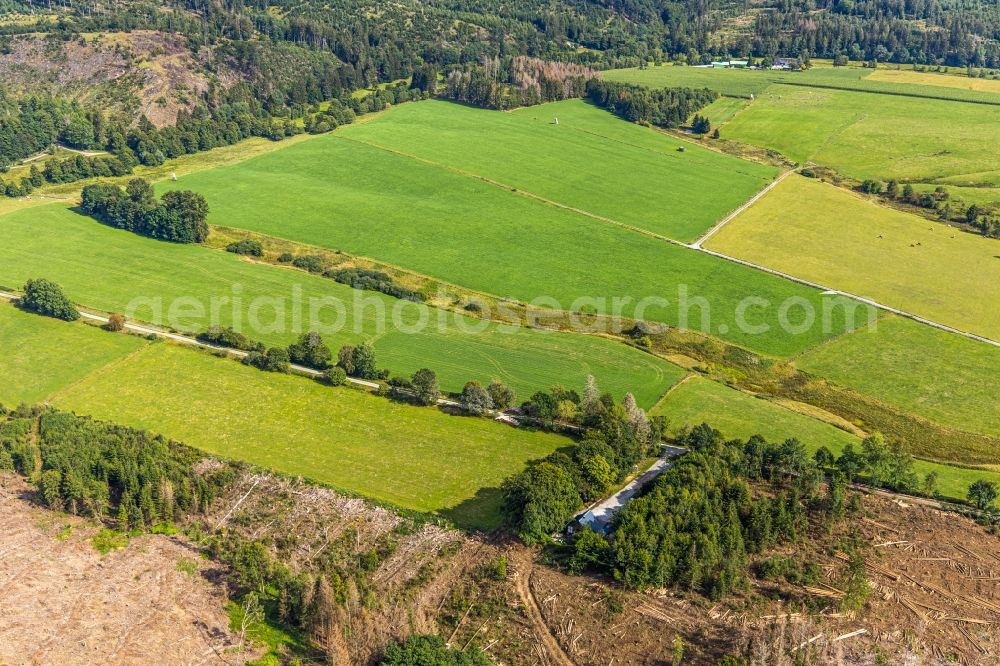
(935, 79)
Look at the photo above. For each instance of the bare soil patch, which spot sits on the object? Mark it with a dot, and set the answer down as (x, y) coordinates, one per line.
(61, 602)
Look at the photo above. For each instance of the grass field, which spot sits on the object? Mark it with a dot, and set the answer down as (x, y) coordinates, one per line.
(590, 160)
(731, 82)
(949, 80)
(747, 82)
(740, 415)
(106, 268)
(341, 193)
(827, 235)
(68, 353)
(722, 110)
(937, 375)
(418, 458)
(872, 136)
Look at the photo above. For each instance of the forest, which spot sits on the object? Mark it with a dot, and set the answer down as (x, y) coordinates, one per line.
(280, 65)
(698, 524)
(289, 54)
(223, 117)
(106, 471)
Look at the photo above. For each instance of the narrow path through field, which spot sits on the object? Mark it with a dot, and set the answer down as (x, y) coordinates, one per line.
(861, 299)
(676, 385)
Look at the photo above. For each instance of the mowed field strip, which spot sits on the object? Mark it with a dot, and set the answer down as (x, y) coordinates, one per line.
(827, 235)
(107, 269)
(339, 192)
(747, 83)
(731, 82)
(417, 458)
(741, 415)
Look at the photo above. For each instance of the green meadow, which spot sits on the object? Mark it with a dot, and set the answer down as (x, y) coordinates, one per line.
(740, 415)
(845, 241)
(107, 269)
(338, 192)
(954, 79)
(590, 160)
(42, 355)
(418, 458)
(723, 109)
(924, 128)
(866, 135)
(943, 377)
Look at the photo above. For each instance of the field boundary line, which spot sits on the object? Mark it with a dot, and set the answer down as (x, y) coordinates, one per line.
(861, 299)
(729, 218)
(896, 93)
(520, 192)
(670, 389)
(828, 342)
(111, 365)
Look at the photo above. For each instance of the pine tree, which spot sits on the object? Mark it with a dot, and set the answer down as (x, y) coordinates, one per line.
(123, 517)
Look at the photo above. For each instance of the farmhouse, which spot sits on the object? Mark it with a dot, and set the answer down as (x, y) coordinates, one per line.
(730, 64)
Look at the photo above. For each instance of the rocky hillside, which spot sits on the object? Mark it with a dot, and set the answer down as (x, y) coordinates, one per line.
(140, 72)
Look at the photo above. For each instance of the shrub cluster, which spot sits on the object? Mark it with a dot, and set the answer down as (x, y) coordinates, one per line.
(274, 359)
(224, 336)
(361, 278)
(248, 247)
